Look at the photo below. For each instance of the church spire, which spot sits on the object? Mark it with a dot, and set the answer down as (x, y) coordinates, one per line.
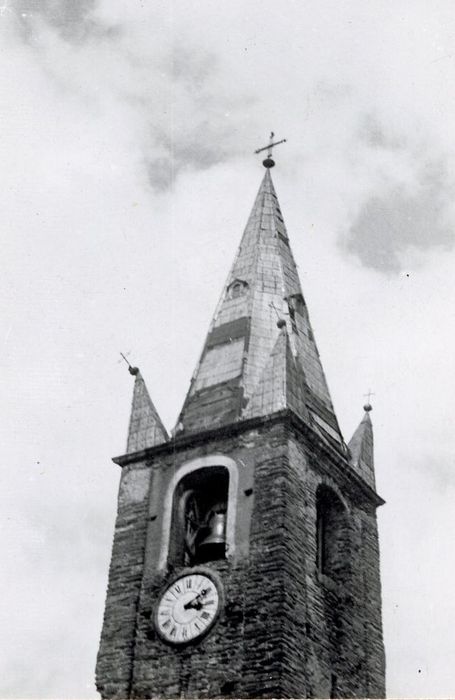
(146, 428)
(263, 287)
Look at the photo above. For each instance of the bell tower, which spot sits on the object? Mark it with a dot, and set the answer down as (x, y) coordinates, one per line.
(245, 561)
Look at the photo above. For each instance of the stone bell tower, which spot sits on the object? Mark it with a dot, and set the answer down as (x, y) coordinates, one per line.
(245, 560)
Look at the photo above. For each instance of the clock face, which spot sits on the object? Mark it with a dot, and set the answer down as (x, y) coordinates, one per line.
(187, 608)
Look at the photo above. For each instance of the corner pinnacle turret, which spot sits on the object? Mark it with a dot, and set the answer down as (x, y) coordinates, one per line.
(244, 351)
(146, 428)
(361, 448)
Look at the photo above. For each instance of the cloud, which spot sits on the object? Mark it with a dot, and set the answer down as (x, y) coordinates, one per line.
(171, 90)
(72, 19)
(373, 134)
(201, 127)
(389, 227)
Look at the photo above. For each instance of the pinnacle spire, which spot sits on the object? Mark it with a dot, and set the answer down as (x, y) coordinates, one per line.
(281, 383)
(361, 448)
(146, 428)
(243, 340)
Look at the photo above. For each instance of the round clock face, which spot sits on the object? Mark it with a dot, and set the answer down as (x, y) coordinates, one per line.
(187, 608)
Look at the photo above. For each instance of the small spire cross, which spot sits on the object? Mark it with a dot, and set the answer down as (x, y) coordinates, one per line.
(269, 162)
(272, 306)
(368, 396)
(131, 370)
(281, 322)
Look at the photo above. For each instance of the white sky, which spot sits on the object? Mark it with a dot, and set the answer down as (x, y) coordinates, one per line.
(127, 175)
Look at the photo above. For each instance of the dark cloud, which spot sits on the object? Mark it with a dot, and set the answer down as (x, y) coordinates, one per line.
(199, 149)
(207, 125)
(72, 19)
(389, 226)
(163, 171)
(160, 173)
(202, 147)
(374, 135)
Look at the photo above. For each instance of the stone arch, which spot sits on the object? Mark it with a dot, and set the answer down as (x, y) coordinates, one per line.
(183, 471)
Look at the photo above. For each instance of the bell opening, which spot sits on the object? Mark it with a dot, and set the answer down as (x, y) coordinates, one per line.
(198, 533)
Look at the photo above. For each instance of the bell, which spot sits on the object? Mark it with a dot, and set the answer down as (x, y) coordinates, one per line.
(212, 543)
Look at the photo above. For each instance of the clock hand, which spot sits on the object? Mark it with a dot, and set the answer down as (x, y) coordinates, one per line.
(196, 602)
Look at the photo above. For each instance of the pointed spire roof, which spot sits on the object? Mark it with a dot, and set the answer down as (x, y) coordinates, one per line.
(146, 428)
(244, 343)
(281, 383)
(361, 448)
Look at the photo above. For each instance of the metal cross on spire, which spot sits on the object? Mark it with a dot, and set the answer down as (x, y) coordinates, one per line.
(281, 322)
(131, 370)
(269, 162)
(368, 406)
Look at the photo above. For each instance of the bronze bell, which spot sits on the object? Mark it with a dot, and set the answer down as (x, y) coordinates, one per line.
(212, 542)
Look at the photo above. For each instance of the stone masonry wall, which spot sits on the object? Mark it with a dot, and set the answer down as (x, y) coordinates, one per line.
(344, 645)
(114, 664)
(285, 629)
(241, 657)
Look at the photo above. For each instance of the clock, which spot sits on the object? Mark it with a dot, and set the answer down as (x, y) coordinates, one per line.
(188, 607)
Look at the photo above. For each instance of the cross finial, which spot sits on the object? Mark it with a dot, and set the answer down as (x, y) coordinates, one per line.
(368, 407)
(131, 370)
(269, 162)
(281, 322)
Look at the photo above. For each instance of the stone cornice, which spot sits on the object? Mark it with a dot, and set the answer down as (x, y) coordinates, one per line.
(337, 461)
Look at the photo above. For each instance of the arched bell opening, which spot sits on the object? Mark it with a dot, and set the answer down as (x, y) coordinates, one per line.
(332, 534)
(198, 530)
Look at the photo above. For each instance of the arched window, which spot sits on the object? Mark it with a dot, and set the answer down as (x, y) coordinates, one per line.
(237, 288)
(332, 537)
(199, 512)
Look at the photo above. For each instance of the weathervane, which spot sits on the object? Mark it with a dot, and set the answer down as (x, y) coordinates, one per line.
(368, 407)
(131, 370)
(269, 162)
